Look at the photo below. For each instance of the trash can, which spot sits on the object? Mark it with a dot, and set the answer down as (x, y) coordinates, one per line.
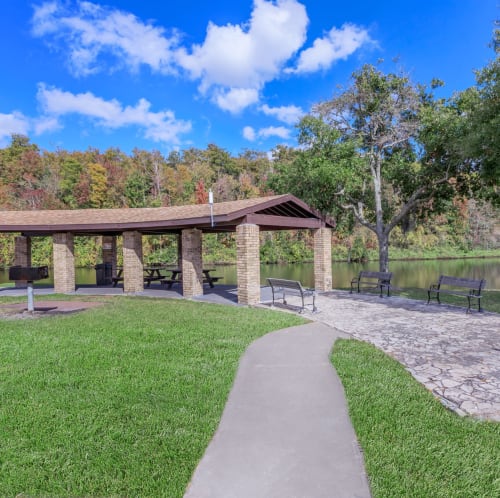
(103, 274)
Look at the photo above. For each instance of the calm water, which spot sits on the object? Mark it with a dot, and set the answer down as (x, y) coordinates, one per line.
(418, 274)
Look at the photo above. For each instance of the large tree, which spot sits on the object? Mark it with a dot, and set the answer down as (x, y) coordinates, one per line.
(482, 141)
(361, 152)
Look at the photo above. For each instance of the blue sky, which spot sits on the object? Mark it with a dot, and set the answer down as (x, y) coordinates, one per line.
(161, 75)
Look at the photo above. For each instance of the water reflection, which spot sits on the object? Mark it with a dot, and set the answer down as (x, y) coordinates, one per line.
(417, 274)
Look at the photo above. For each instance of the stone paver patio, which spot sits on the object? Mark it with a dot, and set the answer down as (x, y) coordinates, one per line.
(454, 354)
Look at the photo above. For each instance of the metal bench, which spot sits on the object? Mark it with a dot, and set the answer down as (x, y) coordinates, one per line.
(372, 280)
(455, 286)
(291, 286)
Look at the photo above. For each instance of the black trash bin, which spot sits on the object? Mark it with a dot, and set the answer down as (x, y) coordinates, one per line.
(103, 274)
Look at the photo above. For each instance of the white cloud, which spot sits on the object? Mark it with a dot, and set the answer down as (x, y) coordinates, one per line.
(245, 57)
(249, 133)
(91, 32)
(46, 124)
(158, 126)
(274, 131)
(235, 99)
(337, 44)
(271, 131)
(232, 64)
(13, 123)
(290, 114)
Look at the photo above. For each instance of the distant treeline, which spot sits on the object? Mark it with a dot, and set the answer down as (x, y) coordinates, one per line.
(31, 178)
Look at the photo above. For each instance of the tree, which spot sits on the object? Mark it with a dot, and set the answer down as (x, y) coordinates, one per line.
(361, 154)
(482, 141)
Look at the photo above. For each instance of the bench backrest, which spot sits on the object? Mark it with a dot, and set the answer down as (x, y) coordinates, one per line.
(376, 274)
(289, 284)
(468, 283)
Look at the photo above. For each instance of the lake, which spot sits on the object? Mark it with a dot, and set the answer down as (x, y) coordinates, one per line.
(417, 274)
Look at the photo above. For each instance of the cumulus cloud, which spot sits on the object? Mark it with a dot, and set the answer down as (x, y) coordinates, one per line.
(13, 123)
(271, 131)
(92, 31)
(235, 99)
(290, 114)
(231, 65)
(336, 44)
(248, 56)
(249, 133)
(158, 126)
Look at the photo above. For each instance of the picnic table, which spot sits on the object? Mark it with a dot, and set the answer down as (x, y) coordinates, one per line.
(176, 277)
(151, 273)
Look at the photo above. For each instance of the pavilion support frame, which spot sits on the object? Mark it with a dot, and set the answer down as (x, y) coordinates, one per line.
(133, 268)
(247, 217)
(192, 263)
(248, 263)
(323, 259)
(63, 253)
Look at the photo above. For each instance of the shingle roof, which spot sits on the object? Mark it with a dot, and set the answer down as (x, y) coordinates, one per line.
(273, 212)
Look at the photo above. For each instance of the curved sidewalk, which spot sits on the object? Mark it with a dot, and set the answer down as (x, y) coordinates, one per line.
(285, 431)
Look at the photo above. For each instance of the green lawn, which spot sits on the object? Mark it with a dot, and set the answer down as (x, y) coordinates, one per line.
(413, 446)
(121, 400)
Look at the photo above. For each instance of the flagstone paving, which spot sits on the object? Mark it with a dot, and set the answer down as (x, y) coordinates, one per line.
(454, 354)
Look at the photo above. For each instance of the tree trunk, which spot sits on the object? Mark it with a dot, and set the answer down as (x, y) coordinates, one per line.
(383, 252)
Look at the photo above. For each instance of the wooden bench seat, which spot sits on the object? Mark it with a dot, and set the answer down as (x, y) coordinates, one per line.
(455, 286)
(171, 281)
(372, 280)
(279, 285)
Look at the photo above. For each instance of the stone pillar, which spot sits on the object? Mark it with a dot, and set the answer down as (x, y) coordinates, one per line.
(109, 251)
(133, 269)
(248, 263)
(323, 259)
(22, 255)
(192, 263)
(63, 253)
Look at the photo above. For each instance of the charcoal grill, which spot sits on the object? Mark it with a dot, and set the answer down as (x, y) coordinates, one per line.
(29, 274)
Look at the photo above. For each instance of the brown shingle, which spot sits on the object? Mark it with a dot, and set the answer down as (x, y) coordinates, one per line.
(149, 219)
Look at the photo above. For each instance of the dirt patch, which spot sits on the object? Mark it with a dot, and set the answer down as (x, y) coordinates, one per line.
(45, 308)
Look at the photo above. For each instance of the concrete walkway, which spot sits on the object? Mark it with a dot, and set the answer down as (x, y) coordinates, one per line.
(285, 431)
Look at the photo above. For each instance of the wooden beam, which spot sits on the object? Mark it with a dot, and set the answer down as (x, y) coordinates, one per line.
(283, 221)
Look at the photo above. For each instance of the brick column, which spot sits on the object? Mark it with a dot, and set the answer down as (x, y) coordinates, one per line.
(323, 259)
(63, 253)
(22, 255)
(133, 269)
(192, 263)
(248, 263)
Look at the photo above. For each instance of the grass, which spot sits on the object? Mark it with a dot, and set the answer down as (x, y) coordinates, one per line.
(412, 445)
(120, 400)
